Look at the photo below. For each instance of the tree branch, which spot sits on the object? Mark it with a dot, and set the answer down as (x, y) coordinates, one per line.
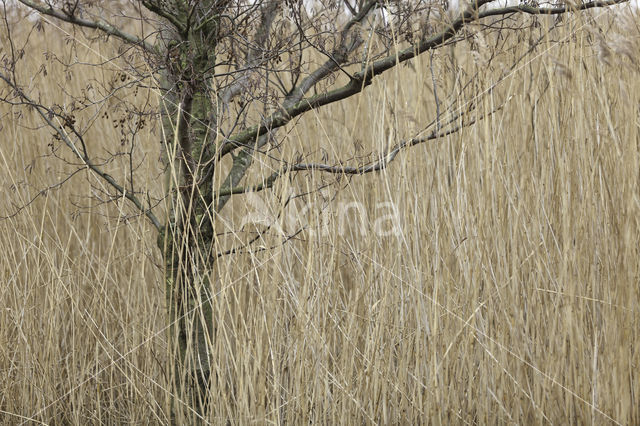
(45, 113)
(339, 56)
(253, 58)
(243, 161)
(364, 78)
(266, 184)
(98, 24)
(530, 10)
(381, 164)
(180, 26)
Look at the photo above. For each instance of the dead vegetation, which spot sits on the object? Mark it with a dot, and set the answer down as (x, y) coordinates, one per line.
(508, 294)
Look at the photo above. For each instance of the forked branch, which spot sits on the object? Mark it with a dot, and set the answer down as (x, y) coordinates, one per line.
(364, 78)
(98, 24)
(377, 166)
(46, 114)
(160, 11)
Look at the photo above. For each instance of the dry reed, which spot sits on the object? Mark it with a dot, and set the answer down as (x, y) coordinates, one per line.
(509, 294)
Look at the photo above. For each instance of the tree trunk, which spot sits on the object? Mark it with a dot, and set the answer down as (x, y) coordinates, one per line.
(188, 237)
(184, 251)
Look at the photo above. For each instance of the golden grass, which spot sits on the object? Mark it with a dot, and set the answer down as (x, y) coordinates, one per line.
(510, 295)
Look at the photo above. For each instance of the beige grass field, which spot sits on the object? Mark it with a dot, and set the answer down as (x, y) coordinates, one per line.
(499, 284)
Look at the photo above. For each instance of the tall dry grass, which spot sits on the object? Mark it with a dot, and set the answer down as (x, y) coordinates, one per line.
(509, 294)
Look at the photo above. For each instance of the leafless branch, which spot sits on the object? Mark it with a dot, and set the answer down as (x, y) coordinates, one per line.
(364, 78)
(347, 44)
(381, 164)
(155, 8)
(45, 113)
(336, 59)
(98, 24)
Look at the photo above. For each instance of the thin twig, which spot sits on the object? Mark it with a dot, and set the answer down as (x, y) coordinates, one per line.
(364, 78)
(45, 113)
(99, 24)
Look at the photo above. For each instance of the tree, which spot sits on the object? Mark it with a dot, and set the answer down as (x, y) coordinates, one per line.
(232, 76)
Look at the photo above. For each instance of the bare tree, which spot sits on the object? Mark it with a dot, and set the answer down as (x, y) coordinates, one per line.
(231, 74)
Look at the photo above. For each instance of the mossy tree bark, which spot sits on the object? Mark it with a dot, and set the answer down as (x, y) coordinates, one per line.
(189, 132)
